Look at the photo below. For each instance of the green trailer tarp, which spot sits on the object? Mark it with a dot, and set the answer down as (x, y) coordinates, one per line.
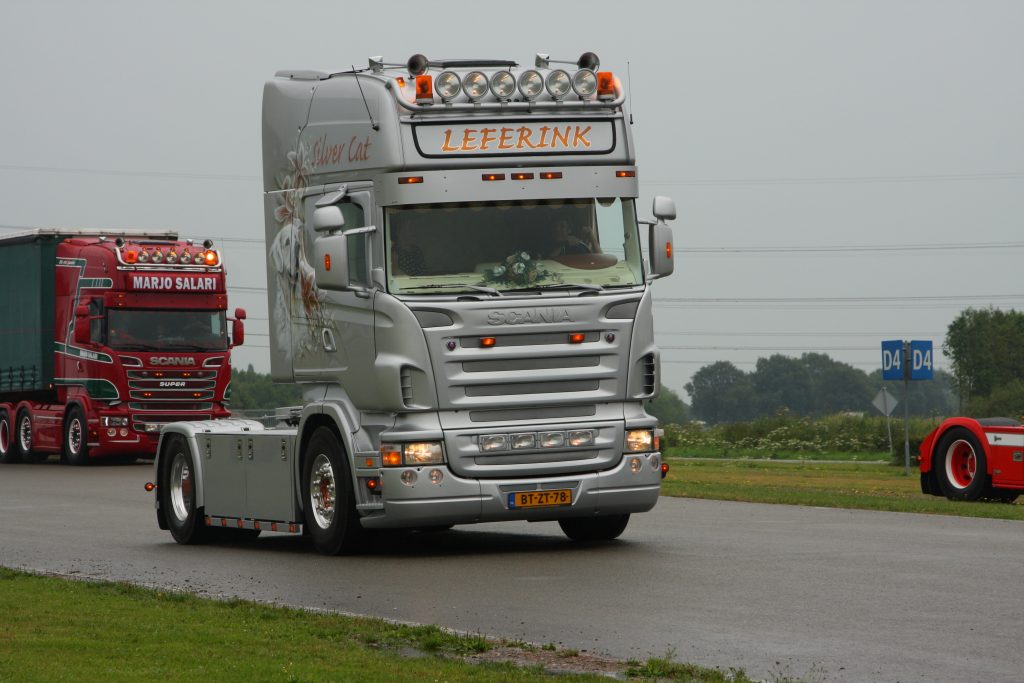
(26, 316)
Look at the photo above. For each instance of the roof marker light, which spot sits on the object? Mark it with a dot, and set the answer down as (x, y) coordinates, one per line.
(475, 85)
(503, 85)
(493, 176)
(410, 180)
(522, 176)
(448, 86)
(550, 175)
(530, 84)
(625, 174)
(558, 84)
(584, 83)
(487, 342)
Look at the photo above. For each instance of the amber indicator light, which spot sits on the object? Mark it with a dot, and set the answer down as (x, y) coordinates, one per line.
(577, 338)
(372, 484)
(550, 175)
(400, 81)
(487, 342)
(327, 262)
(493, 176)
(625, 174)
(131, 256)
(410, 180)
(425, 88)
(391, 458)
(522, 176)
(668, 249)
(605, 84)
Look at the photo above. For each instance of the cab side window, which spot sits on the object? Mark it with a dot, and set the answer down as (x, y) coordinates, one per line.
(96, 323)
(358, 268)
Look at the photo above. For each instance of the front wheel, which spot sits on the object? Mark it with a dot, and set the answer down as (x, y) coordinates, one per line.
(603, 528)
(8, 452)
(178, 493)
(76, 446)
(960, 465)
(328, 502)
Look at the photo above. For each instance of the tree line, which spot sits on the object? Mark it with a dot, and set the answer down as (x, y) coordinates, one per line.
(985, 346)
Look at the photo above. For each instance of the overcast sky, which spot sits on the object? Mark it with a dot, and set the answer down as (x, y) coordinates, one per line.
(803, 142)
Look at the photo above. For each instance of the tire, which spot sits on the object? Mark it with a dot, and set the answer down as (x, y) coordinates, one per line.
(177, 493)
(603, 528)
(8, 451)
(960, 465)
(76, 438)
(23, 439)
(328, 501)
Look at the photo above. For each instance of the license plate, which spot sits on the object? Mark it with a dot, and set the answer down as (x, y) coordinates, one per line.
(539, 499)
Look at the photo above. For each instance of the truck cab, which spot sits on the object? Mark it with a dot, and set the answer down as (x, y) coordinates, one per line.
(456, 279)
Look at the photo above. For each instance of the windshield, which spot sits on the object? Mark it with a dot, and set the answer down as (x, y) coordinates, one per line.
(445, 248)
(152, 330)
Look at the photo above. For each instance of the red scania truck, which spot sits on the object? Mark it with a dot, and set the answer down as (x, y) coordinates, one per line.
(107, 336)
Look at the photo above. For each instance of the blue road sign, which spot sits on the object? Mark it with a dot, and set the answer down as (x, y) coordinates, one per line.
(892, 359)
(921, 359)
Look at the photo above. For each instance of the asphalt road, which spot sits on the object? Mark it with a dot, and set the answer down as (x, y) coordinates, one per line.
(835, 595)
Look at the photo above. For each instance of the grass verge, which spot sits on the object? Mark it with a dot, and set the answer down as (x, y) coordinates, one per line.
(842, 485)
(54, 629)
(755, 454)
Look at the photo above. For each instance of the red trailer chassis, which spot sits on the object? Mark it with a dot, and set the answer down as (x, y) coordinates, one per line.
(971, 459)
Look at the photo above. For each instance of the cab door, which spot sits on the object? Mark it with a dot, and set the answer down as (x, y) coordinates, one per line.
(334, 330)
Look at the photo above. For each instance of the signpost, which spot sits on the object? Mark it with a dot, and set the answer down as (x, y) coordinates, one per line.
(906, 360)
(886, 403)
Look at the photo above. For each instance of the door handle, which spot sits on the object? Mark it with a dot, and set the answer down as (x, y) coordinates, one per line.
(328, 339)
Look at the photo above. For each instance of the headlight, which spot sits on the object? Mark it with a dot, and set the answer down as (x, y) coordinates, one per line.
(172, 257)
(448, 85)
(412, 454)
(520, 441)
(186, 257)
(639, 440)
(475, 85)
(530, 84)
(493, 442)
(143, 256)
(581, 438)
(113, 421)
(552, 439)
(158, 256)
(584, 83)
(503, 85)
(558, 84)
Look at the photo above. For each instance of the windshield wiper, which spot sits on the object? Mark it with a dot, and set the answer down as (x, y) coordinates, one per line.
(137, 346)
(188, 347)
(476, 288)
(540, 288)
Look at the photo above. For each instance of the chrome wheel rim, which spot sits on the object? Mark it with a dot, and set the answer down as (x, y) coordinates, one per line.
(181, 487)
(961, 464)
(75, 436)
(321, 491)
(25, 434)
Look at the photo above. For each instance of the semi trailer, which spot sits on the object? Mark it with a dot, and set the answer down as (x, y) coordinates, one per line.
(456, 281)
(106, 336)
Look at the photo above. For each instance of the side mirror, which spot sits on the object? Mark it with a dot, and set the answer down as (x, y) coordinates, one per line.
(328, 218)
(664, 208)
(661, 251)
(82, 325)
(238, 328)
(331, 261)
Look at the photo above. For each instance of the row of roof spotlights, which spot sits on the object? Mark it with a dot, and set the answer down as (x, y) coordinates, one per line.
(503, 84)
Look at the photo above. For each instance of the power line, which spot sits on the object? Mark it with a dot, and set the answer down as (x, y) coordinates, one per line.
(130, 173)
(837, 180)
(850, 248)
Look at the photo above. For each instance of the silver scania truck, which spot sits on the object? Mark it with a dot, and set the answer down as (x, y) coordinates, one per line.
(456, 281)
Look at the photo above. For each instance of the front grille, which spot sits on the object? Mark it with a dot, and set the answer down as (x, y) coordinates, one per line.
(172, 385)
(176, 407)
